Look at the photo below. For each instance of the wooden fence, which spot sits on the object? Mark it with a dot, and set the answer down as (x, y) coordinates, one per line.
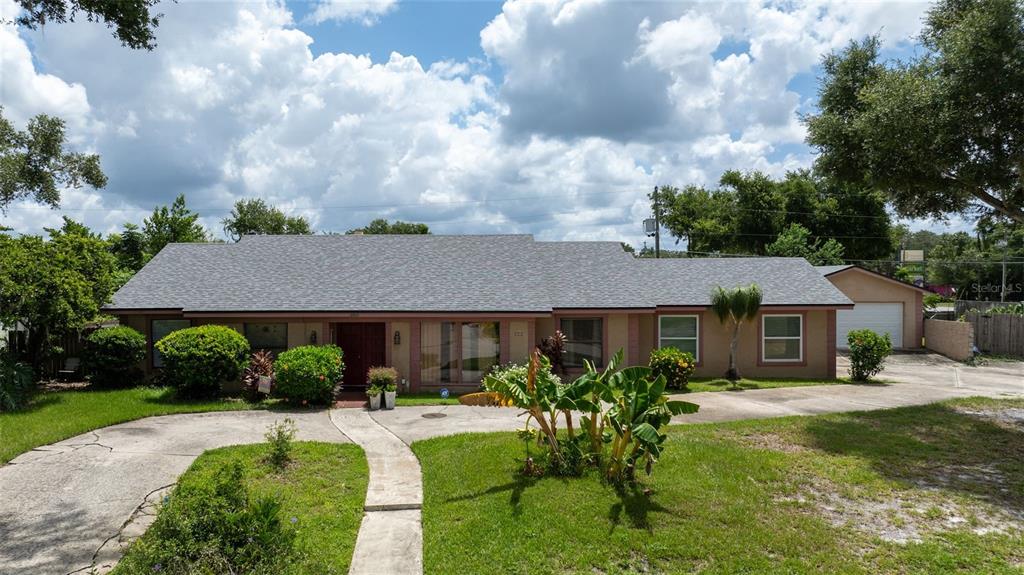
(962, 306)
(998, 334)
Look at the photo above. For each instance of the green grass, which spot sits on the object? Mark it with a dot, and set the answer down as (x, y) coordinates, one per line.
(743, 497)
(323, 489)
(720, 384)
(425, 398)
(697, 384)
(54, 416)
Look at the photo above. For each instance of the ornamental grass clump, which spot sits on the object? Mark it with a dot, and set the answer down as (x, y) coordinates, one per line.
(676, 366)
(308, 374)
(384, 378)
(111, 356)
(622, 413)
(198, 360)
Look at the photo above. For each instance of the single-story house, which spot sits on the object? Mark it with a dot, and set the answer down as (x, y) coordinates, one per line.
(881, 304)
(444, 309)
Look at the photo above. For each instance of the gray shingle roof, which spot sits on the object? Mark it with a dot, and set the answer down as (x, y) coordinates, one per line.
(447, 273)
(829, 270)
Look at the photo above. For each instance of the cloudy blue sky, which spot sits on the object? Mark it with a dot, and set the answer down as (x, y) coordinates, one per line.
(551, 118)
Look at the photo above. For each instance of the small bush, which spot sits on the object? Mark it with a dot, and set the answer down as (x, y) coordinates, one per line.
(16, 383)
(198, 360)
(112, 355)
(385, 378)
(261, 363)
(214, 526)
(677, 366)
(280, 436)
(308, 373)
(868, 351)
(503, 375)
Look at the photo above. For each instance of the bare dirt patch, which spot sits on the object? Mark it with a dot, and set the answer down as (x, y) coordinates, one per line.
(1008, 418)
(908, 515)
(769, 441)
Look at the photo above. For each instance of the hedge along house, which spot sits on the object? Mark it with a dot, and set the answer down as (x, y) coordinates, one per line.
(444, 309)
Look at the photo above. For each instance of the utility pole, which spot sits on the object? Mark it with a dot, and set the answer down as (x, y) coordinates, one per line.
(657, 224)
(1002, 288)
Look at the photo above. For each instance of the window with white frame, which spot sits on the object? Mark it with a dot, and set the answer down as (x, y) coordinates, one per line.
(681, 332)
(782, 337)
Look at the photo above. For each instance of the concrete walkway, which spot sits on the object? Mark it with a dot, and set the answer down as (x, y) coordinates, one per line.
(72, 505)
(390, 540)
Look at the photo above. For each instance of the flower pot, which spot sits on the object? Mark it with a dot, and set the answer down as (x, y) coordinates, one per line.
(374, 402)
(389, 399)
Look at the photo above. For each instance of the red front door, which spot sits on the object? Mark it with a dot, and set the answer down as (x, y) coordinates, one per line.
(362, 345)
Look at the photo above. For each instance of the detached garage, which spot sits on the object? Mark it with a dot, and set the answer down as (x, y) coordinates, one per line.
(881, 304)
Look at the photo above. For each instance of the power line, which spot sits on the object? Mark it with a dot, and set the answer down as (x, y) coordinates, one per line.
(366, 207)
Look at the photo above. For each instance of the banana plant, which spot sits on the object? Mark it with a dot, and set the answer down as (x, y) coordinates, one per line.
(639, 412)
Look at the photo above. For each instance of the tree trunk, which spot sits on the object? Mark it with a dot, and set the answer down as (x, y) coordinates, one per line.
(733, 374)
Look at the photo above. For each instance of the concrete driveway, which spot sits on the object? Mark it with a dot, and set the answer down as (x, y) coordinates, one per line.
(909, 379)
(61, 503)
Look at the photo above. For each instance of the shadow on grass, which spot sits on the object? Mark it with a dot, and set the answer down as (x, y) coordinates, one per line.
(37, 402)
(633, 502)
(933, 446)
(636, 504)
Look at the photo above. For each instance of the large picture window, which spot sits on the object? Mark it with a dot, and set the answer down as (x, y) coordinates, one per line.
(681, 332)
(272, 337)
(782, 337)
(480, 349)
(160, 329)
(437, 352)
(584, 340)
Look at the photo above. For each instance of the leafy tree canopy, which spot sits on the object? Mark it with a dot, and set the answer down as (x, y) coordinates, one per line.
(54, 285)
(382, 226)
(940, 133)
(174, 224)
(796, 242)
(748, 212)
(130, 20)
(256, 217)
(34, 163)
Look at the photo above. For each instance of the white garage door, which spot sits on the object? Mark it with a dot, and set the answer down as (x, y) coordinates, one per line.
(878, 317)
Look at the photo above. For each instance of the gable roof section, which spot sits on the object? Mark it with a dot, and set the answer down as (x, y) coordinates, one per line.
(431, 273)
(827, 271)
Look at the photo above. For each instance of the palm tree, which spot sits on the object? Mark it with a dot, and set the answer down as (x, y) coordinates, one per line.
(734, 307)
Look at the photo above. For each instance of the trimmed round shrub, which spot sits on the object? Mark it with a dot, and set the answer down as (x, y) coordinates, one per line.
(868, 351)
(198, 360)
(677, 366)
(308, 374)
(112, 355)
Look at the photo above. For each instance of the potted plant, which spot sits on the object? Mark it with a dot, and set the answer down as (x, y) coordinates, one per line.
(385, 379)
(373, 392)
(390, 390)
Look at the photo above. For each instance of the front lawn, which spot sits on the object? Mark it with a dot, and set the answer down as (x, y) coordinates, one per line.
(426, 398)
(930, 489)
(58, 415)
(321, 493)
(720, 384)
